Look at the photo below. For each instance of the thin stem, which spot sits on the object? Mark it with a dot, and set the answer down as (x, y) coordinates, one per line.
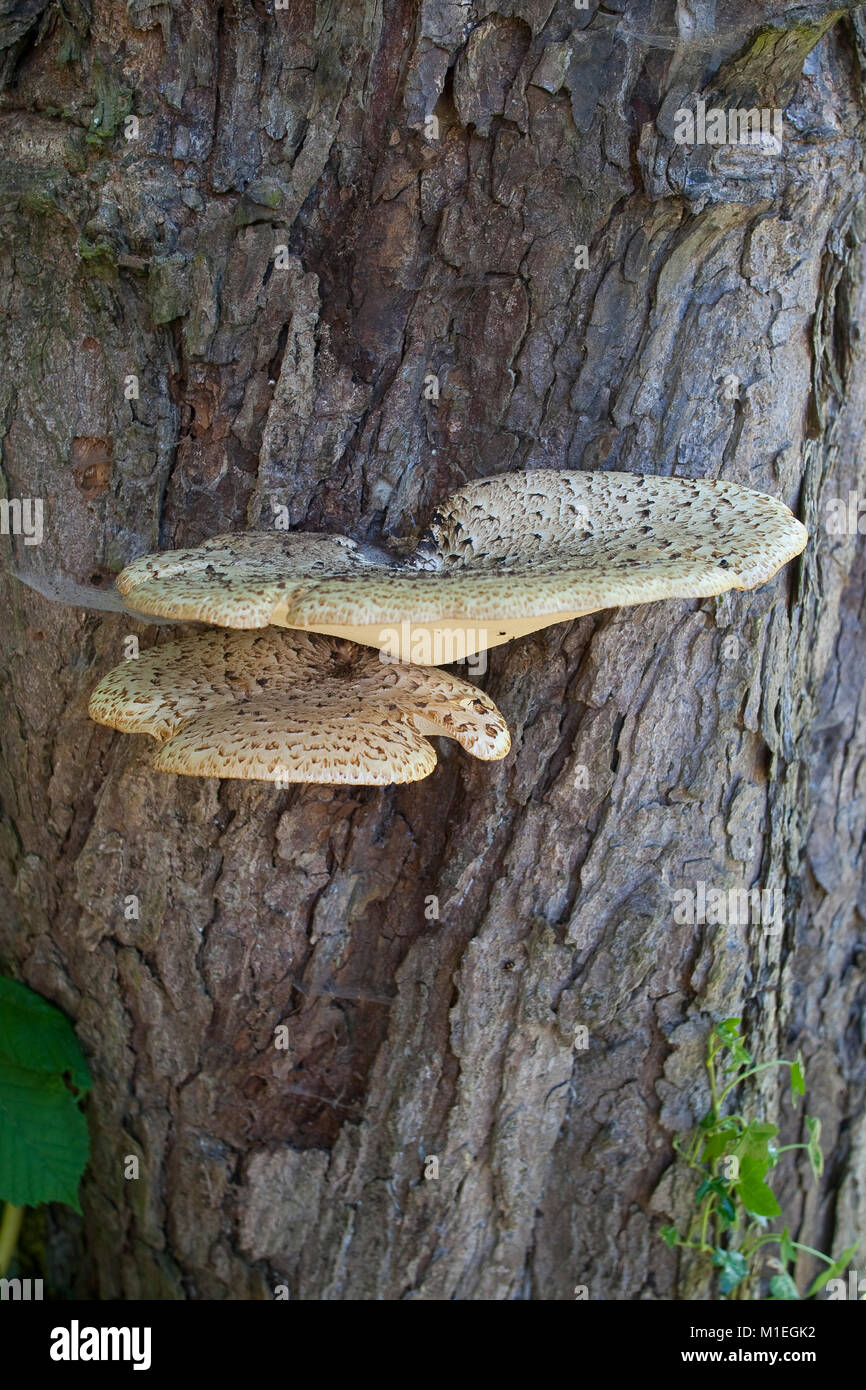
(708, 1208)
(817, 1253)
(10, 1227)
(772, 1238)
(711, 1070)
(764, 1066)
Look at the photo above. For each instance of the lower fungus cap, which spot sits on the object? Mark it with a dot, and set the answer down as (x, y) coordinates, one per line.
(283, 706)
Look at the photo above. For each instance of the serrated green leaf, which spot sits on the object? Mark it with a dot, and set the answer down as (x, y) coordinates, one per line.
(670, 1235)
(733, 1266)
(834, 1270)
(753, 1192)
(36, 1036)
(44, 1142)
(798, 1080)
(783, 1289)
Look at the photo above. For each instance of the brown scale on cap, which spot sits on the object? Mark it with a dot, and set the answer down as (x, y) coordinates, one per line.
(291, 706)
(503, 557)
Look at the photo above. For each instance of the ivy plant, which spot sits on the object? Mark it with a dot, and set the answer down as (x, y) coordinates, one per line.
(44, 1144)
(733, 1157)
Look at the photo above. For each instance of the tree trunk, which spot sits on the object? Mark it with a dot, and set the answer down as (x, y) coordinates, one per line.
(239, 300)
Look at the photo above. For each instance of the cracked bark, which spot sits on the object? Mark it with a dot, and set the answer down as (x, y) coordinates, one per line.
(449, 248)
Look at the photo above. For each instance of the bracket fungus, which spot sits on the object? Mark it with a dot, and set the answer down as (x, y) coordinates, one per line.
(293, 707)
(502, 557)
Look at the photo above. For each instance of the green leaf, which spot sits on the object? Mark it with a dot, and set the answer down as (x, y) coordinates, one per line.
(786, 1248)
(36, 1036)
(44, 1142)
(728, 1031)
(714, 1146)
(725, 1206)
(739, 1058)
(670, 1235)
(724, 1136)
(783, 1288)
(798, 1080)
(834, 1270)
(813, 1147)
(733, 1266)
(755, 1142)
(709, 1185)
(753, 1192)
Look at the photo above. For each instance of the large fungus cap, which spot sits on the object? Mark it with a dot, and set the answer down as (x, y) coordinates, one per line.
(504, 556)
(292, 707)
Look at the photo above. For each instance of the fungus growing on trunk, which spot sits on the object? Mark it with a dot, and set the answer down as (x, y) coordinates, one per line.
(504, 556)
(293, 707)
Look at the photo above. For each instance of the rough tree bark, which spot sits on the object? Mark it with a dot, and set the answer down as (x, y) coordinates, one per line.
(449, 246)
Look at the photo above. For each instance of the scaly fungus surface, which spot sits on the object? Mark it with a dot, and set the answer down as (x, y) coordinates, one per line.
(293, 707)
(502, 557)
